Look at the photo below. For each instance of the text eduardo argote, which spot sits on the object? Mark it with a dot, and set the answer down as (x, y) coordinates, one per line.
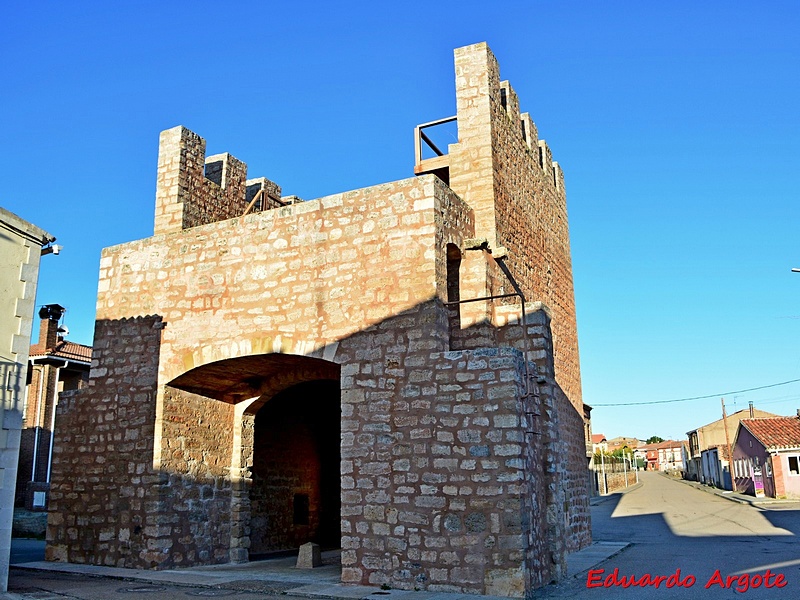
(598, 578)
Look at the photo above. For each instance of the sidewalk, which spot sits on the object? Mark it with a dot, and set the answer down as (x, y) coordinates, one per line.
(765, 503)
(282, 575)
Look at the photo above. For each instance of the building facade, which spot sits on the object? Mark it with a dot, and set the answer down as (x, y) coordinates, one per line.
(714, 435)
(21, 246)
(56, 366)
(766, 456)
(669, 456)
(393, 370)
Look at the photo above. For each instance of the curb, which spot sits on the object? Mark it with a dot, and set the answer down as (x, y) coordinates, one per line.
(736, 496)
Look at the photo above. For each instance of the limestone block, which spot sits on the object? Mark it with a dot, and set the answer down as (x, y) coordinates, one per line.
(309, 556)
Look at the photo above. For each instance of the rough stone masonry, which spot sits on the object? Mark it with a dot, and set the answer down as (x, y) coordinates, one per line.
(355, 371)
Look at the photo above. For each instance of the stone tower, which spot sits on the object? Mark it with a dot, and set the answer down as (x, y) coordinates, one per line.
(356, 370)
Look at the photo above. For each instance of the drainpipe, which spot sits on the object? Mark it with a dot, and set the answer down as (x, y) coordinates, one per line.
(36, 424)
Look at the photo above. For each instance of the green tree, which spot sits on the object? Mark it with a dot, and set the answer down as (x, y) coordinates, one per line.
(623, 451)
(654, 440)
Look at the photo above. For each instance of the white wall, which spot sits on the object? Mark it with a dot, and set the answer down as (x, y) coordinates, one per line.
(20, 251)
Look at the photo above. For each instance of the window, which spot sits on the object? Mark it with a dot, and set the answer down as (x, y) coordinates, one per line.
(301, 509)
(768, 467)
(794, 465)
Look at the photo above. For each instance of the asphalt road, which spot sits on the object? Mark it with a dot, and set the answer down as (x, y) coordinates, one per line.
(673, 526)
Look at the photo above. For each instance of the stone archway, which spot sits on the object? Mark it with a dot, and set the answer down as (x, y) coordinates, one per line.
(294, 489)
(284, 460)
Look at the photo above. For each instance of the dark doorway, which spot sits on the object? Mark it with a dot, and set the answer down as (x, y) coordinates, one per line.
(295, 490)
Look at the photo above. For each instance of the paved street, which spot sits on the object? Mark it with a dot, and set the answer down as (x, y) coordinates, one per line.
(669, 525)
(672, 525)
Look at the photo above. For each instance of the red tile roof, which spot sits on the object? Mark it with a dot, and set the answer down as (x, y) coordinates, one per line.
(64, 349)
(667, 444)
(776, 433)
(598, 438)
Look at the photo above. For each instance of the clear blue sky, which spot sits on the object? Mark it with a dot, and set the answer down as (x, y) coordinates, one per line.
(676, 125)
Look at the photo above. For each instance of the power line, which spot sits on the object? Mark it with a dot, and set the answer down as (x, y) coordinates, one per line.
(761, 387)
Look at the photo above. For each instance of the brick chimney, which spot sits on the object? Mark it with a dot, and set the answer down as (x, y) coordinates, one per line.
(50, 315)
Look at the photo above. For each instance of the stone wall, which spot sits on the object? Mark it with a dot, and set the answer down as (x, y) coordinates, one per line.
(293, 279)
(433, 475)
(615, 482)
(104, 494)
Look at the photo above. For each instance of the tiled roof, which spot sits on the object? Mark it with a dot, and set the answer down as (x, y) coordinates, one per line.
(667, 444)
(64, 349)
(776, 433)
(598, 438)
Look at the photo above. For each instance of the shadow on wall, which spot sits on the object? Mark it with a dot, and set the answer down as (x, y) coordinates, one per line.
(393, 443)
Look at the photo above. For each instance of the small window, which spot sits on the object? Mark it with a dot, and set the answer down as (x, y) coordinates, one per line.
(794, 465)
(768, 467)
(300, 509)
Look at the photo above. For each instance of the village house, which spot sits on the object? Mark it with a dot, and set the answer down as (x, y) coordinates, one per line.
(599, 443)
(620, 442)
(766, 457)
(715, 465)
(713, 435)
(56, 366)
(392, 370)
(669, 456)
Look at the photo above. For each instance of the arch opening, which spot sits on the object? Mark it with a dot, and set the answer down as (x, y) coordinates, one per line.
(295, 482)
(279, 453)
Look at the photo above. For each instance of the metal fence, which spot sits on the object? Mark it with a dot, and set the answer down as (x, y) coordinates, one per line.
(604, 463)
(611, 473)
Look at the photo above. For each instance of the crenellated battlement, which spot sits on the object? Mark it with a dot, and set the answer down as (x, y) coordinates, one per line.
(193, 189)
(507, 175)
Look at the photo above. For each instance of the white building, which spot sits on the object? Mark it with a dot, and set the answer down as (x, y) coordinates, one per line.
(20, 250)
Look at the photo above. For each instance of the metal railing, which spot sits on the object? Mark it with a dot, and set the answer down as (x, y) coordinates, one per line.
(420, 136)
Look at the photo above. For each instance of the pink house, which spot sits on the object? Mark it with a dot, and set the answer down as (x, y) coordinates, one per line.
(766, 457)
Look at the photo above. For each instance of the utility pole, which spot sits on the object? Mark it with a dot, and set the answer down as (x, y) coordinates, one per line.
(625, 467)
(603, 467)
(727, 439)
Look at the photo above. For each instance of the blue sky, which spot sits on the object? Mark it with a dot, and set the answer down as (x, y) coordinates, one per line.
(675, 123)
